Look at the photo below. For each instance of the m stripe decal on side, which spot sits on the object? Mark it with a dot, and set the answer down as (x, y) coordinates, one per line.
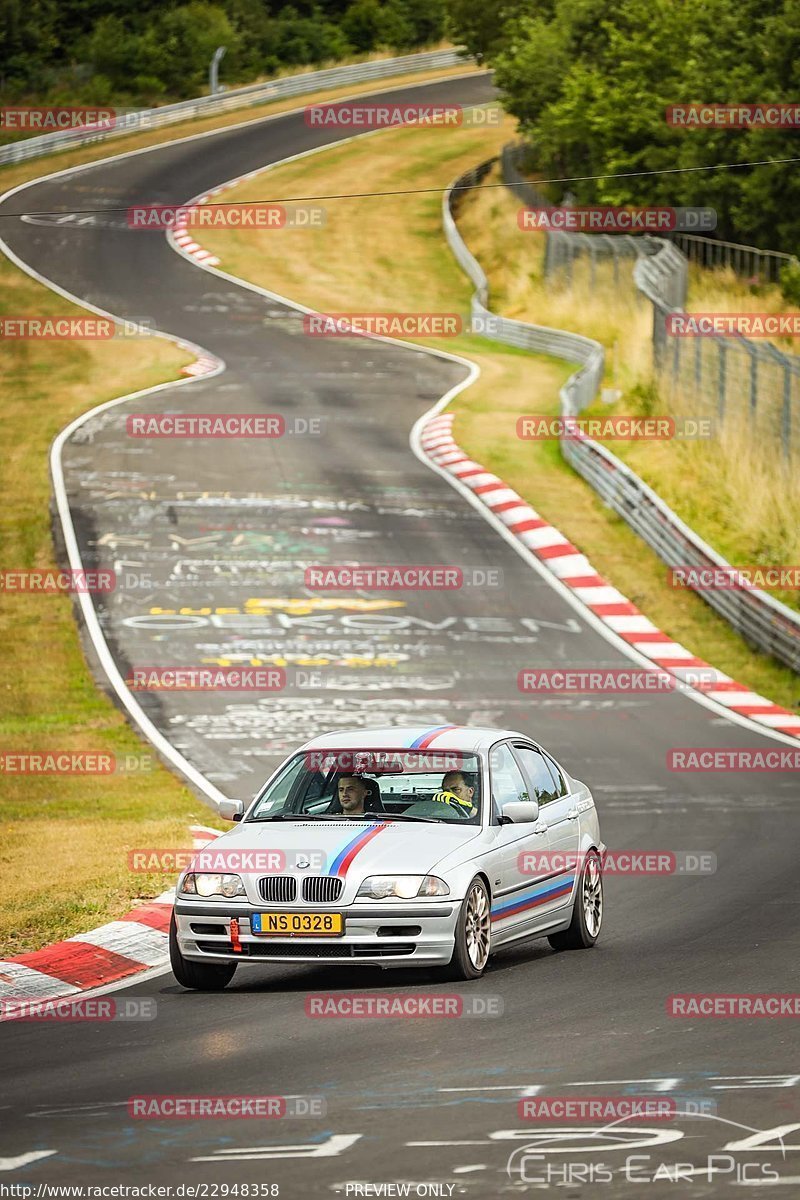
(541, 894)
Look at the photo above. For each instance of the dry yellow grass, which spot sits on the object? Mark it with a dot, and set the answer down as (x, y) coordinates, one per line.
(63, 839)
(729, 488)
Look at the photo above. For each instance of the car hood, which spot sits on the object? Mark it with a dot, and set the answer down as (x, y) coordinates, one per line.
(394, 847)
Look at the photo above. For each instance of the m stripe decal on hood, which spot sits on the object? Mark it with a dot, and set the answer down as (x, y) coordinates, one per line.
(352, 847)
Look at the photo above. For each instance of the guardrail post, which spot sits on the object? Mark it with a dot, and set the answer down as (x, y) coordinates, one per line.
(786, 415)
(676, 358)
(753, 384)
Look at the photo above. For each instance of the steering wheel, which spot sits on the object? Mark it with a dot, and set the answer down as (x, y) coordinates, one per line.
(461, 807)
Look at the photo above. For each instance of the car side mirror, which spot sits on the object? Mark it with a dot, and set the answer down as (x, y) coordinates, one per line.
(521, 812)
(231, 810)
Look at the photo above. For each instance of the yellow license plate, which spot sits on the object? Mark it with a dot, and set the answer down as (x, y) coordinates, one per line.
(298, 924)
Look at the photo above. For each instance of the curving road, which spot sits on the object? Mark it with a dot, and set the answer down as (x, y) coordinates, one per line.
(225, 530)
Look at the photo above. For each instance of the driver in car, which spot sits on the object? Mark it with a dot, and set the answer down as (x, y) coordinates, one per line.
(458, 788)
(353, 792)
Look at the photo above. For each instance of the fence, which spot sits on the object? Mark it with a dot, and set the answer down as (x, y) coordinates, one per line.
(761, 266)
(729, 379)
(762, 621)
(247, 97)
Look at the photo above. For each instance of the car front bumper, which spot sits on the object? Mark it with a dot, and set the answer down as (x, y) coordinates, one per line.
(383, 936)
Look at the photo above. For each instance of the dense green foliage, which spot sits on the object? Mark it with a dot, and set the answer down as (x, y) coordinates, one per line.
(112, 52)
(590, 82)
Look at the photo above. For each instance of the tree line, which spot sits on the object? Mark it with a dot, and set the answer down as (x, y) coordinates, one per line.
(109, 52)
(590, 83)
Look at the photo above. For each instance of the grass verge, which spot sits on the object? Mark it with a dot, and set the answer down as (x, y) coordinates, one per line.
(64, 839)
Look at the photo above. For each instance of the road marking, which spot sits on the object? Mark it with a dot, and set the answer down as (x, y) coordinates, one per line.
(448, 1143)
(659, 1085)
(762, 1081)
(23, 1160)
(526, 1089)
(336, 1144)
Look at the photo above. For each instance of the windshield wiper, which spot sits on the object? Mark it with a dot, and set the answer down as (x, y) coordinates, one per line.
(280, 817)
(407, 817)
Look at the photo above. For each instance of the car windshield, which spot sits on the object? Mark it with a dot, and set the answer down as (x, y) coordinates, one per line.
(402, 785)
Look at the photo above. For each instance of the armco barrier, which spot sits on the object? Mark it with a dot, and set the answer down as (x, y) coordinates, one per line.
(763, 621)
(746, 379)
(247, 97)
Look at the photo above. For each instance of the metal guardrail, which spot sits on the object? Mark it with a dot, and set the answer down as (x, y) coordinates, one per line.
(762, 266)
(718, 377)
(246, 97)
(761, 620)
(581, 387)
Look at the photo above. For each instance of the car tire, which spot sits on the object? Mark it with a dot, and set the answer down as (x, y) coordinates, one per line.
(587, 911)
(473, 934)
(198, 976)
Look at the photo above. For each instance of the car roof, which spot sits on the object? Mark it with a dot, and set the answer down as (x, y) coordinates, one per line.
(464, 738)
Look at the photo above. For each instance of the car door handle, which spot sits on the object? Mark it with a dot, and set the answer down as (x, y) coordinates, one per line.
(539, 830)
(573, 814)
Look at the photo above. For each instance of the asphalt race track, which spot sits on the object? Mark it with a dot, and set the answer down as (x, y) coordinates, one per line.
(231, 525)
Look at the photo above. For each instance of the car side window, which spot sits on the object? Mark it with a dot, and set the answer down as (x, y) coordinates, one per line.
(558, 775)
(543, 785)
(508, 784)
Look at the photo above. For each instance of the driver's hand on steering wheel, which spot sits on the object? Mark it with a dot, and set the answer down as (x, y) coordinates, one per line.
(464, 808)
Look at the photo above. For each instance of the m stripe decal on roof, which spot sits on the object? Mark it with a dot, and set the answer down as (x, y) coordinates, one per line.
(425, 739)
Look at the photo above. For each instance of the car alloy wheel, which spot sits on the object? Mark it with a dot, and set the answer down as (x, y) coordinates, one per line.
(592, 896)
(477, 926)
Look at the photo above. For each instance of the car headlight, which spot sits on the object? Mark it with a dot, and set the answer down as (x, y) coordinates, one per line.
(403, 887)
(207, 883)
